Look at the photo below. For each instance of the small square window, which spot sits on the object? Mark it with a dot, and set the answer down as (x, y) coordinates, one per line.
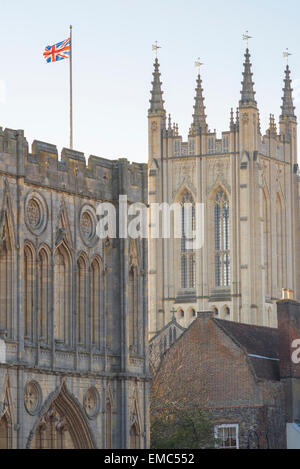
(227, 436)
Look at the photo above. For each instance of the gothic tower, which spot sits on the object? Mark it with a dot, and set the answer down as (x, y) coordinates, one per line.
(248, 184)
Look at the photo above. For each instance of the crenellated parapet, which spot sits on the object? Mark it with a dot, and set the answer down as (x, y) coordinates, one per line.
(99, 178)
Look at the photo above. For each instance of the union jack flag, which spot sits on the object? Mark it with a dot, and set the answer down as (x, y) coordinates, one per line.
(58, 52)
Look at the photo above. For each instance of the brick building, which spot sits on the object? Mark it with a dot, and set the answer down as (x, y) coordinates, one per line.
(242, 374)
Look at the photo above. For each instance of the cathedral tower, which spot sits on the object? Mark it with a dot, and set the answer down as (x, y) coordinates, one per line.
(248, 184)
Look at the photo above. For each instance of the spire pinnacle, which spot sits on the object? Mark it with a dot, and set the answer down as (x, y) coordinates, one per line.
(156, 101)
(247, 93)
(272, 131)
(287, 108)
(199, 116)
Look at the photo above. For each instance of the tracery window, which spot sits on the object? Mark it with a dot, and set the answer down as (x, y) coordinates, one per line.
(222, 244)
(266, 245)
(188, 268)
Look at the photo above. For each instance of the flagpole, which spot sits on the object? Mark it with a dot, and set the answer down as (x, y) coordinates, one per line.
(71, 92)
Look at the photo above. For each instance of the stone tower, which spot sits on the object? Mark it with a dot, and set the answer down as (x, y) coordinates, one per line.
(249, 185)
(73, 309)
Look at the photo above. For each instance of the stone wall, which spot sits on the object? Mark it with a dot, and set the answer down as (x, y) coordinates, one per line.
(65, 312)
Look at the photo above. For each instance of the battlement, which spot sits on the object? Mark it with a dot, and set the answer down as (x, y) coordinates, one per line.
(97, 178)
(271, 144)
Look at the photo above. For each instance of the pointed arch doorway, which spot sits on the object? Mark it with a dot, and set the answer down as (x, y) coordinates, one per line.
(62, 426)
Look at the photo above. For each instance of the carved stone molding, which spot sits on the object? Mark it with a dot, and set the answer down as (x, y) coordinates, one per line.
(36, 213)
(91, 403)
(32, 397)
(87, 225)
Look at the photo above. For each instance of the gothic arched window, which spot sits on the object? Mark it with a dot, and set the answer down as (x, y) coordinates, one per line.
(28, 290)
(280, 244)
(133, 308)
(43, 294)
(188, 270)
(6, 283)
(222, 245)
(81, 300)
(266, 245)
(62, 291)
(96, 301)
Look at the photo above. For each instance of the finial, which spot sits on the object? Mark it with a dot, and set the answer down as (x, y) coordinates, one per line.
(246, 38)
(199, 117)
(198, 64)
(286, 55)
(155, 47)
(169, 123)
(272, 127)
(247, 93)
(288, 109)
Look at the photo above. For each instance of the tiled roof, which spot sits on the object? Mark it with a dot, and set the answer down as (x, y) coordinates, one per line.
(260, 343)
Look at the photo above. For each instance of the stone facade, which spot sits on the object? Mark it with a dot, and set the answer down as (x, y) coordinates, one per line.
(249, 184)
(73, 308)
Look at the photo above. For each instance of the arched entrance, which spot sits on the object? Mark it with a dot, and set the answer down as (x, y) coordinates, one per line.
(62, 426)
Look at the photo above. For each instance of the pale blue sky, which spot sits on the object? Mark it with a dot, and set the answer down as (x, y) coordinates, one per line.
(113, 64)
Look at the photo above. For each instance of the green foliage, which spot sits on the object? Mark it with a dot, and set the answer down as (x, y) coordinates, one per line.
(182, 428)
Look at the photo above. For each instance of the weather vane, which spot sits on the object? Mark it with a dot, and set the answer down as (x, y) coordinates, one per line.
(246, 38)
(198, 65)
(286, 54)
(156, 47)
